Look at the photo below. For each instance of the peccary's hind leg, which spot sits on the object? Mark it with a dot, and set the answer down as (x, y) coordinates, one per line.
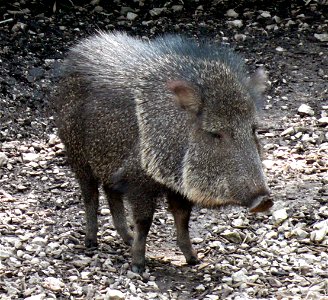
(181, 210)
(116, 205)
(143, 207)
(90, 195)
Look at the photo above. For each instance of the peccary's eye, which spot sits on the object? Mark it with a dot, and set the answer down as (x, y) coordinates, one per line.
(216, 135)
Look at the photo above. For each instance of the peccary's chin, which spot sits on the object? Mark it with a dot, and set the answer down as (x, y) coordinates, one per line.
(204, 200)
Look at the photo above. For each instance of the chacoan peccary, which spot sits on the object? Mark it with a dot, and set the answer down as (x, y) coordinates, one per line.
(163, 118)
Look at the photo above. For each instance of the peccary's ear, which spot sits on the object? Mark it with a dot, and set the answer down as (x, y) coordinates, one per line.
(187, 96)
(258, 81)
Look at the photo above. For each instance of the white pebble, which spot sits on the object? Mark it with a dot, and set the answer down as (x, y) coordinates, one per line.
(305, 110)
(231, 13)
(279, 216)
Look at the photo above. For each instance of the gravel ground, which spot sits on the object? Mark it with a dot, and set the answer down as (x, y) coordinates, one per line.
(282, 254)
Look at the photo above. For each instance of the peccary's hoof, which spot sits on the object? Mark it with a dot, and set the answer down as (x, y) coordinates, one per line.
(139, 269)
(90, 244)
(193, 260)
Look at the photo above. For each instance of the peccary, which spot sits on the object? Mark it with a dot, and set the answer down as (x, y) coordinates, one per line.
(167, 118)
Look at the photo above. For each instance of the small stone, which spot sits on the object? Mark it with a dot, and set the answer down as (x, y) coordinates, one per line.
(216, 244)
(236, 23)
(265, 14)
(300, 233)
(53, 140)
(238, 222)
(305, 110)
(240, 37)
(197, 240)
(240, 276)
(319, 235)
(82, 263)
(29, 157)
(279, 216)
(322, 122)
(200, 288)
(39, 241)
(288, 131)
(85, 275)
(53, 284)
(105, 212)
(231, 13)
(268, 164)
(177, 8)
(98, 9)
(280, 49)
(5, 252)
(132, 275)
(276, 19)
(322, 37)
(114, 295)
(131, 16)
(3, 159)
(232, 236)
(156, 11)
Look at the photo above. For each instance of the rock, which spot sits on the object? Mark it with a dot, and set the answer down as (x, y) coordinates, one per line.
(105, 211)
(322, 37)
(5, 252)
(131, 16)
(320, 225)
(300, 233)
(288, 131)
(98, 9)
(156, 11)
(232, 236)
(197, 240)
(265, 14)
(177, 8)
(114, 295)
(231, 13)
(236, 23)
(39, 241)
(53, 140)
(280, 49)
(319, 235)
(29, 157)
(200, 288)
(3, 159)
(268, 163)
(305, 110)
(322, 122)
(279, 216)
(276, 19)
(53, 284)
(240, 37)
(132, 275)
(239, 276)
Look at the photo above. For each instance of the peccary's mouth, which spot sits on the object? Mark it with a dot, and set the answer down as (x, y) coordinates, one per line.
(261, 204)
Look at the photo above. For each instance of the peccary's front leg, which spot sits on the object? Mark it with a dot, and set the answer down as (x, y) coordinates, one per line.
(143, 208)
(90, 195)
(116, 205)
(181, 210)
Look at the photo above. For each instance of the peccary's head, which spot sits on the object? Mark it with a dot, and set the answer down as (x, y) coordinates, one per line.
(222, 163)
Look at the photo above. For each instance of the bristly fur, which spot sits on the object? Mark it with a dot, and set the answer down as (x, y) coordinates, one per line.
(168, 116)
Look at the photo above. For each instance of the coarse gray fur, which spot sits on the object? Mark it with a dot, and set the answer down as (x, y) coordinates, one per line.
(167, 117)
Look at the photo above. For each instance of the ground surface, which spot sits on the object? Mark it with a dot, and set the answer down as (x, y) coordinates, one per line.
(279, 255)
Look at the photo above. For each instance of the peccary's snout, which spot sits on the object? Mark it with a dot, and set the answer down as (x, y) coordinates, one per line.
(260, 201)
